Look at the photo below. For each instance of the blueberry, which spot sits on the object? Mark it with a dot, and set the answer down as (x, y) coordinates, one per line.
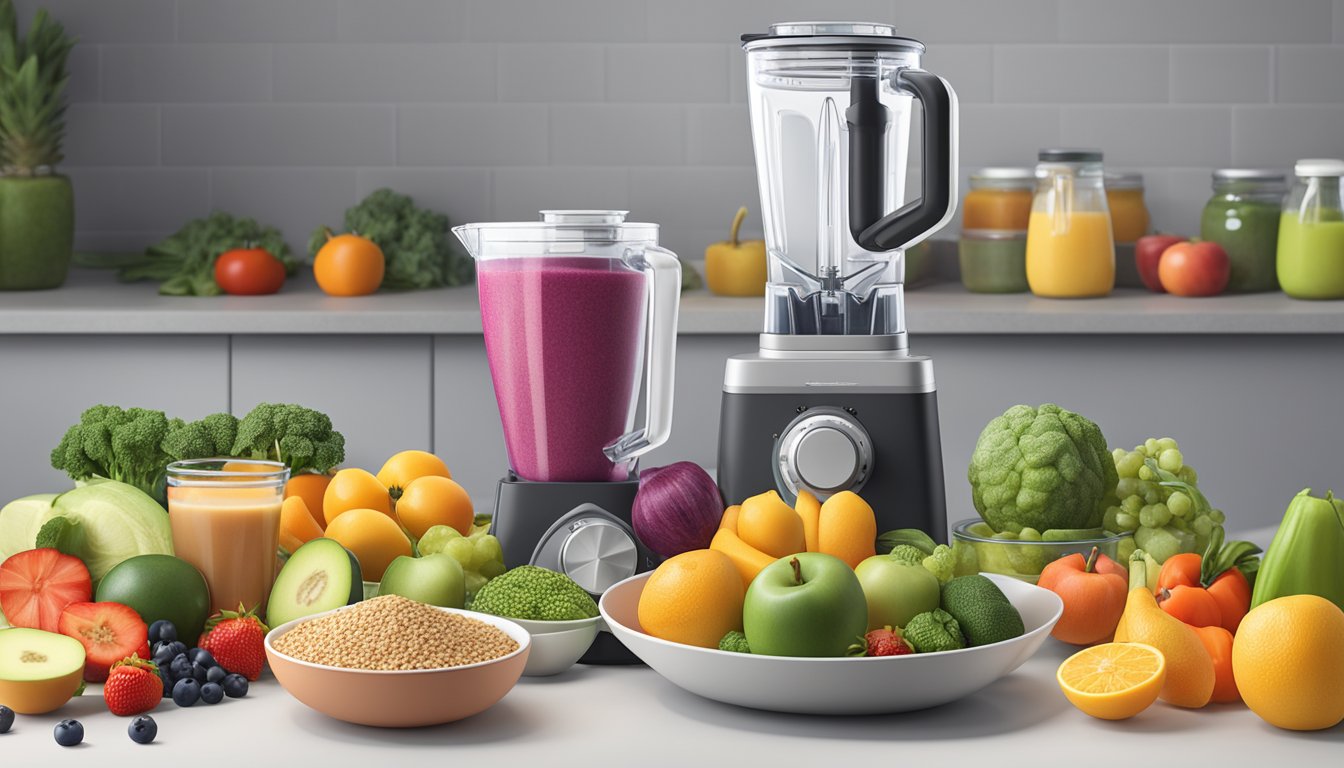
(68, 733)
(6, 719)
(211, 693)
(215, 674)
(167, 682)
(143, 729)
(202, 657)
(178, 647)
(156, 631)
(235, 686)
(162, 654)
(199, 672)
(186, 692)
(180, 668)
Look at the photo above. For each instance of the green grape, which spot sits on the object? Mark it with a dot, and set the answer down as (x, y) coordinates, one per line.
(1132, 504)
(1179, 504)
(461, 550)
(1005, 536)
(1108, 519)
(1217, 516)
(493, 568)
(1129, 464)
(1170, 460)
(1127, 522)
(474, 583)
(1150, 446)
(1166, 444)
(436, 538)
(1123, 549)
(1202, 526)
(1146, 473)
(1117, 454)
(1029, 534)
(1128, 486)
(1161, 514)
(486, 550)
(1152, 496)
(1188, 475)
(1146, 518)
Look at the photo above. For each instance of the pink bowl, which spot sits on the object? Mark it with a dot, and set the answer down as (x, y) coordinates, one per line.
(401, 699)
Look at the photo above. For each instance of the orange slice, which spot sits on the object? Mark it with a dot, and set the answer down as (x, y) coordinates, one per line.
(1113, 681)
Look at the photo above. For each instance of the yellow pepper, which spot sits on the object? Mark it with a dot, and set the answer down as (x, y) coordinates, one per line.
(736, 267)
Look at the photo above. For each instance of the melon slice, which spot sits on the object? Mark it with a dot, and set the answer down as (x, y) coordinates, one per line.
(39, 671)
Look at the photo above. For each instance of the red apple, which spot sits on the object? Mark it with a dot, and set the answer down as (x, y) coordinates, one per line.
(1147, 251)
(1197, 268)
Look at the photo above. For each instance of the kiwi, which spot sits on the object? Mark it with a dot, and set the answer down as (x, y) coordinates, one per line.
(319, 576)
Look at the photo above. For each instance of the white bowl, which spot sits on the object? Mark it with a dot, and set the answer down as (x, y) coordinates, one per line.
(834, 686)
(555, 652)
(536, 627)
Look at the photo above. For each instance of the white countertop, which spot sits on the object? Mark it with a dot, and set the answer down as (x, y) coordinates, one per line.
(93, 302)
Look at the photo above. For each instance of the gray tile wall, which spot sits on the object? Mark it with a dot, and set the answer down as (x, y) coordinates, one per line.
(291, 110)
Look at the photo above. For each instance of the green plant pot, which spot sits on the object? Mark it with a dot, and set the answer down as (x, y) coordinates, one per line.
(37, 231)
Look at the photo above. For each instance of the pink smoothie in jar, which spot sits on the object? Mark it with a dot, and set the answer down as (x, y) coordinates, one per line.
(564, 338)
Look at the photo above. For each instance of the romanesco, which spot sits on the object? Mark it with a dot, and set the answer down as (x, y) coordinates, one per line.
(933, 631)
(734, 642)
(906, 553)
(532, 592)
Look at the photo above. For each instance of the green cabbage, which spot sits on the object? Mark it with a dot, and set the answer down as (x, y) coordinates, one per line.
(20, 520)
(104, 524)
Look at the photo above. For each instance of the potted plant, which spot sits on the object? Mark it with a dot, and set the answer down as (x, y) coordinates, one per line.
(37, 208)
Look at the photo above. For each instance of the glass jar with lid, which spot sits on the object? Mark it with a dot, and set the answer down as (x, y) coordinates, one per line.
(1311, 233)
(1243, 217)
(1129, 213)
(1000, 198)
(1070, 247)
(992, 252)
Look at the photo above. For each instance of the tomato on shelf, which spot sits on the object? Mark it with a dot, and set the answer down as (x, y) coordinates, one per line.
(249, 272)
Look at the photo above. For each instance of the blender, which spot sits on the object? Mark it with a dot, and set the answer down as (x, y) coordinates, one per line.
(573, 308)
(834, 400)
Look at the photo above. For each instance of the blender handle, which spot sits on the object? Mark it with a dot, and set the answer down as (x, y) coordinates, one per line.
(664, 271)
(937, 201)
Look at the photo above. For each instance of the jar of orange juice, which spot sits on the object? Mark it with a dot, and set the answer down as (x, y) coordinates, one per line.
(1124, 197)
(1000, 198)
(1070, 246)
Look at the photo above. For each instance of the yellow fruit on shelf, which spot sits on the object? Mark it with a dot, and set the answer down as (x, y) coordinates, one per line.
(297, 526)
(748, 560)
(736, 267)
(1190, 673)
(354, 489)
(407, 466)
(693, 598)
(1288, 660)
(434, 500)
(374, 538)
(847, 528)
(809, 509)
(766, 523)
(1113, 681)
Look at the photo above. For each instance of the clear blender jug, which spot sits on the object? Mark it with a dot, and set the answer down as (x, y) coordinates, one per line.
(831, 106)
(567, 305)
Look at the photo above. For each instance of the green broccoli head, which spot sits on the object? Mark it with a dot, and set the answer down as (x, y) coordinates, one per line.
(934, 631)
(906, 553)
(1041, 468)
(212, 436)
(532, 592)
(300, 437)
(124, 444)
(734, 642)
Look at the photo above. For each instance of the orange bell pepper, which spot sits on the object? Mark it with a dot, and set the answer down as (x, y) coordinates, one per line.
(1208, 590)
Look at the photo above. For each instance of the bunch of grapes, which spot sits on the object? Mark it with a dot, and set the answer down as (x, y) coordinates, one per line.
(480, 555)
(1158, 502)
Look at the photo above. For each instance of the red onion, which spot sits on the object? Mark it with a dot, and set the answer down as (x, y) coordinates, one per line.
(677, 508)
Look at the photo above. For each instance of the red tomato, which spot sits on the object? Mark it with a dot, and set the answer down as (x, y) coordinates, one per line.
(1194, 269)
(249, 272)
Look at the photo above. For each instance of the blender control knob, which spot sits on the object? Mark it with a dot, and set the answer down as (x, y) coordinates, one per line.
(824, 451)
(597, 554)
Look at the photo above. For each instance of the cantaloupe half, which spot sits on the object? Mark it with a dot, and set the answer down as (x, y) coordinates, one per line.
(39, 671)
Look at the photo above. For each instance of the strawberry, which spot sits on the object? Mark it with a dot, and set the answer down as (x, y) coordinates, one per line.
(234, 638)
(133, 686)
(881, 642)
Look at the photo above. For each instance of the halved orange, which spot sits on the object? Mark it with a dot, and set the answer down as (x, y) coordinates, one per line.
(1113, 681)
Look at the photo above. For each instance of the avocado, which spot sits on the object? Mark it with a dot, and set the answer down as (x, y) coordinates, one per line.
(981, 609)
(319, 576)
(160, 587)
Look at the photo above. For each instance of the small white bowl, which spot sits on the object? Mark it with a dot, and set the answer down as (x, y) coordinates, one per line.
(557, 645)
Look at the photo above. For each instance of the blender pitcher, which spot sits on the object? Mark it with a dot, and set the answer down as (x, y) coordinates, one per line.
(571, 307)
(831, 106)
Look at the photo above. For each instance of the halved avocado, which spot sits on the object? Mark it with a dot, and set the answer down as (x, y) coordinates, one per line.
(319, 576)
(39, 671)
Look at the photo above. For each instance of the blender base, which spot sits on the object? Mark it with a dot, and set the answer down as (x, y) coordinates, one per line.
(581, 529)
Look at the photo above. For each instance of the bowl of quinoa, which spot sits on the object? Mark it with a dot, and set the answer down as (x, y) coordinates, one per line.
(397, 663)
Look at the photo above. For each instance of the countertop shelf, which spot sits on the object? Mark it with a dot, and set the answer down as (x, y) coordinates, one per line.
(93, 302)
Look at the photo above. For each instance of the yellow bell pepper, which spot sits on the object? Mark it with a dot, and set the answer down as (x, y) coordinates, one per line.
(736, 267)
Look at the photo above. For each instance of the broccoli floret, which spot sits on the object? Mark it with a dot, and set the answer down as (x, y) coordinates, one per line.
(532, 592)
(734, 642)
(299, 437)
(942, 563)
(116, 443)
(906, 553)
(933, 631)
(212, 436)
(417, 246)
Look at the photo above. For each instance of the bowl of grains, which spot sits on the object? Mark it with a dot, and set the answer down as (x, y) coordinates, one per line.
(397, 663)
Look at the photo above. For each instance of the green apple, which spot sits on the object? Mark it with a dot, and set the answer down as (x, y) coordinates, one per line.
(436, 579)
(896, 592)
(808, 604)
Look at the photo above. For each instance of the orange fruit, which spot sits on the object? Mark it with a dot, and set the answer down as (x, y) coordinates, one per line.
(349, 265)
(766, 523)
(310, 487)
(297, 526)
(406, 466)
(1113, 681)
(729, 519)
(1218, 642)
(693, 598)
(1289, 664)
(354, 489)
(374, 538)
(809, 509)
(748, 560)
(847, 528)
(432, 500)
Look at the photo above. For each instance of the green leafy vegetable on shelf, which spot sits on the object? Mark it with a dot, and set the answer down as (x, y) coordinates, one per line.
(416, 243)
(300, 437)
(184, 263)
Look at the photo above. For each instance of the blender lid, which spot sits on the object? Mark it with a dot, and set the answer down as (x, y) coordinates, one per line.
(567, 226)
(1069, 155)
(853, 34)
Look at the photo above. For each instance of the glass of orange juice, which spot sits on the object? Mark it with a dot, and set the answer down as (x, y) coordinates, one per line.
(1070, 247)
(225, 516)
